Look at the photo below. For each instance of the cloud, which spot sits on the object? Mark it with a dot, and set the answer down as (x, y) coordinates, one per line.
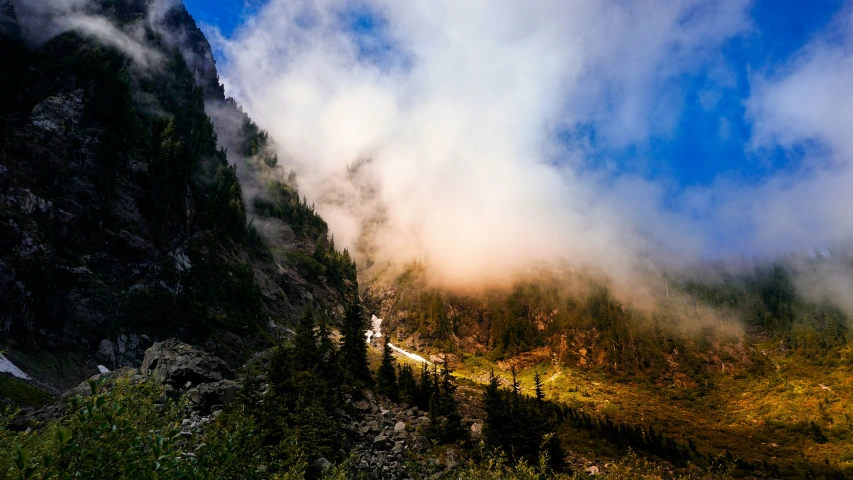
(801, 111)
(43, 20)
(445, 146)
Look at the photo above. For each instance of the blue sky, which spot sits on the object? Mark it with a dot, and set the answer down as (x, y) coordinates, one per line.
(601, 129)
(712, 133)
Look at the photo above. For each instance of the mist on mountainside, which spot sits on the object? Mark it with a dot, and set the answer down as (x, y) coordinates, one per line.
(459, 140)
(522, 303)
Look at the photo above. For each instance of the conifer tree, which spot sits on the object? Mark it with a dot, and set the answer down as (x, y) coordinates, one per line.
(386, 376)
(515, 387)
(328, 355)
(453, 430)
(537, 385)
(407, 384)
(445, 420)
(305, 352)
(424, 389)
(353, 350)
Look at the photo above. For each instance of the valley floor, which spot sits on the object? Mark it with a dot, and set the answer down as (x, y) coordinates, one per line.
(798, 416)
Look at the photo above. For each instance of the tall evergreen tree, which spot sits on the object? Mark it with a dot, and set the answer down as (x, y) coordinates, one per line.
(519, 425)
(537, 386)
(353, 350)
(407, 385)
(445, 420)
(515, 387)
(327, 353)
(306, 354)
(386, 376)
(424, 389)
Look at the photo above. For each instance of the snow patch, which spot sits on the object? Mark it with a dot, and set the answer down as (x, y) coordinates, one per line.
(9, 367)
(103, 369)
(413, 356)
(375, 331)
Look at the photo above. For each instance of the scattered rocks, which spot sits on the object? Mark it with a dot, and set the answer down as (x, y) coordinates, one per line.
(386, 436)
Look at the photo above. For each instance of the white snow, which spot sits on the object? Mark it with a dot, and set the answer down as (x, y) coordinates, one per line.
(9, 367)
(103, 369)
(413, 356)
(375, 331)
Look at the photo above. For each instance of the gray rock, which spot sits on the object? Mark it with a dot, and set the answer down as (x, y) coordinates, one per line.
(176, 363)
(207, 395)
(323, 464)
(400, 427)
(421, 444)
(106, 352)
(452, 458)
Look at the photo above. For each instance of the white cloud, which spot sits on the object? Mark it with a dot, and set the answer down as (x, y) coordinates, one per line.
(805, 105)
(463, 167)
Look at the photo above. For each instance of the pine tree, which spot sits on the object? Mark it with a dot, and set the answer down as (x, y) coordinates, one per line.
(424, 389)
(495, 406)
(519, 425)
(386, 376)
(353, 345)
(445, 419)
(407, 384)
(515, 386)
(305, 352)
(328, 355)
(453, 430)
(537, 385)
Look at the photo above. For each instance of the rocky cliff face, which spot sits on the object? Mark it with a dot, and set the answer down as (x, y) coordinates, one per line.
(121, 219)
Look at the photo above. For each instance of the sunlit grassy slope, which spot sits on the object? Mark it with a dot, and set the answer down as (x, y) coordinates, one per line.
(796, 416)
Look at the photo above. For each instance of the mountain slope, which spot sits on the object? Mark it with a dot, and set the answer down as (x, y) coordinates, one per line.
(121, 217)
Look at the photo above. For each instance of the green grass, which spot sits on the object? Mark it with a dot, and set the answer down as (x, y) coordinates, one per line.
(762, 417)
(21, 393)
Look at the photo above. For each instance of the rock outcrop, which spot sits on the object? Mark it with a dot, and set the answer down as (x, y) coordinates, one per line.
(180, 365)
(205, 380)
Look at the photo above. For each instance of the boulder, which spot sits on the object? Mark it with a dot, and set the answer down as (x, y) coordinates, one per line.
(323, 464)
(208, 395)
(84, 390)
(176, 363)
(106, 352)
(421, 444)
(452, 459)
